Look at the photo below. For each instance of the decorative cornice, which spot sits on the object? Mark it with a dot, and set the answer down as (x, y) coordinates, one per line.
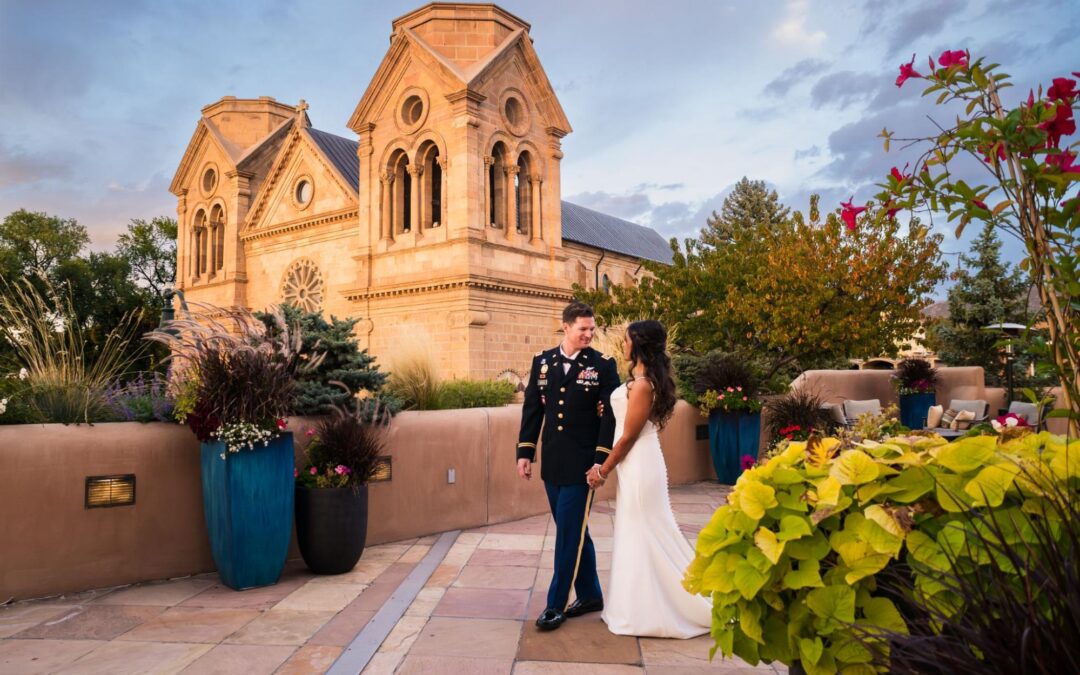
(360, 294)
(305, 224)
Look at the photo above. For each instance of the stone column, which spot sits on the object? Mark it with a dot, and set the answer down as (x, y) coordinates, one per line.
(386, 215)
(444, 198)
(511, 199)
(183, 241)
(415, 223)
(488, 162)
(535, 234)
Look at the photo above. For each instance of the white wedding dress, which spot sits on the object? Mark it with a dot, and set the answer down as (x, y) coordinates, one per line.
(645, 596)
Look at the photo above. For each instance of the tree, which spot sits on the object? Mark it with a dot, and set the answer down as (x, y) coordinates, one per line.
(32, 244)
(985, 293)
(150, 249)
(749, 205)
(797, 294)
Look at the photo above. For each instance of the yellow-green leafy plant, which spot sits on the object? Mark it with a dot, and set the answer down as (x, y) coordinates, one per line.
(414, 373)
(792, 561)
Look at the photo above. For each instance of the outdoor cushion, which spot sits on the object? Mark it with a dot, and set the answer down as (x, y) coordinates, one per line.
(933, 416)
(976, 406)
(852, 409)
(947, 417)
(1029, 411)
(836, 412)
(963, 420)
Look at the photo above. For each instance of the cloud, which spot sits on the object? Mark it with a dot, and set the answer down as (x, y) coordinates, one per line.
(793, 75)
(921, 21)
(842, 89)
(630, 205)
(812, 151)
(17, 167)
(793, 29)
(641, 187)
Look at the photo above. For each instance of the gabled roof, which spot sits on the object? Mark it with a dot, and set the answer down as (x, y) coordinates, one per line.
(342, 154)
(599, 230)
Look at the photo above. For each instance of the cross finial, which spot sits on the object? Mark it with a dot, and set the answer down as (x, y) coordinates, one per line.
(301, 106)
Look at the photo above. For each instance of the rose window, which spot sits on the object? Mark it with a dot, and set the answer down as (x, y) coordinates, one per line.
(303, 286)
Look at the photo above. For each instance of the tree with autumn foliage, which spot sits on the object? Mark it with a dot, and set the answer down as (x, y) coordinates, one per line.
(800, 293)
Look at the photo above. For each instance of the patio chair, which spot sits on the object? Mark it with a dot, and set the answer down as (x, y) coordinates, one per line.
(836, 413)
(962, 414)
(1029, 411)
(853, 409)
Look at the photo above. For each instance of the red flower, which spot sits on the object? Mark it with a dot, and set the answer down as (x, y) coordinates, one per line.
(1031, 98)
(949, 59)
(987, 149)
(1062, 124)
(281, 424)
(1063, 89)
(981, 205)
(891, 210)
(906, 70)
(849, 213)
(899, 174)
(748, 462)
(1063, 161)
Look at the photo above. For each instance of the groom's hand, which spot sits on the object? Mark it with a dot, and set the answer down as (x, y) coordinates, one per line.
(525, 469)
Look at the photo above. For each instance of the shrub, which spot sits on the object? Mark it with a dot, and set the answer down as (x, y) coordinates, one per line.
(345, 448)
(65, 381)
(795, 415)
(609, 340)
(143, 399)
(343, 361)
(791, 561)
(414, 375)
(915, 376)
(475, 394)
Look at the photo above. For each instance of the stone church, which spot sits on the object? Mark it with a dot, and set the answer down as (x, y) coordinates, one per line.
(440, 219)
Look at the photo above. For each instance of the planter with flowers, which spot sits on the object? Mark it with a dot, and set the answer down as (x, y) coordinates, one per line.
(725, 389)
(332, 487)
(234, 382)
(915, 381)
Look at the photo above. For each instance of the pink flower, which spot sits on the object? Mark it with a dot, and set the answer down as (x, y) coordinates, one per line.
(281, 424)
(721, 397)
(313, 471)
(744, 398)
(738, 388)
(342, 470)
(997, 148)
(1063, 89)
(891, 209)
(295, 472)
(850, 212)
(748, 462)
(1031, 98)
(949, 59)
(730, 389)
(906, 70)
(1063, 161)
(309, 433)
(1062, 124)
(981, 204)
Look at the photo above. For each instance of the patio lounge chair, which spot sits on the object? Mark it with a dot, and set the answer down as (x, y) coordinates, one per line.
(853, 409)
(1029, 411)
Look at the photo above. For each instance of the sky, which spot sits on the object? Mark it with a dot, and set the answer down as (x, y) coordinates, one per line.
(671, 102)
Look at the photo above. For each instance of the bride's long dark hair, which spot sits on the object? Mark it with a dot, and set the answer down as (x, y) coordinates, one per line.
(648, 346)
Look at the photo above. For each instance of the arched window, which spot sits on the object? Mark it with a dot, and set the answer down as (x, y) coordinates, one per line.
(401, 194)
(605, 282)
(523, 193)
(198, 241)
(217, 230)
(432, 180)
(497, 176)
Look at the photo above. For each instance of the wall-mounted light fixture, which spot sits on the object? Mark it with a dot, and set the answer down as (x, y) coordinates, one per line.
(105, 491)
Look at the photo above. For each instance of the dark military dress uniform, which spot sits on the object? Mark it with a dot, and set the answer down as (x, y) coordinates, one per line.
(564, 406)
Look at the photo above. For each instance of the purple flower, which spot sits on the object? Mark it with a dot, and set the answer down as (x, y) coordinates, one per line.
(748, 462)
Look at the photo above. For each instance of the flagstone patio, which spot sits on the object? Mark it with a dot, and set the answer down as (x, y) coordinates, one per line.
(474, 614)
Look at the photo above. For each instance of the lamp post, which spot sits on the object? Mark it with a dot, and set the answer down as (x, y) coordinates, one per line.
(1012, 330)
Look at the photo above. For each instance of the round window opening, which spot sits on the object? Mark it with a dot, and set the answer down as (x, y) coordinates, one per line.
(303, 286)
(303, 192)
(513, 111)
(209, 180)
(412, 110)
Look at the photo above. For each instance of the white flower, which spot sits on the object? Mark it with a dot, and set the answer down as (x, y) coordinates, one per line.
(23, 374)
(1011, 421)
(997, 425)
(3, 406)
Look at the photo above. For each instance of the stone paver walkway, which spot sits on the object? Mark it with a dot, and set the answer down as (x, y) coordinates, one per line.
(474, 615)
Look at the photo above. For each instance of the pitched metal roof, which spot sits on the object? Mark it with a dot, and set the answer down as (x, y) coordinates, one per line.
(340, 151)
(609, 233)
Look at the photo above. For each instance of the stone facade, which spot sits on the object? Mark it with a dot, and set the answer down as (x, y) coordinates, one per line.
(442, 222)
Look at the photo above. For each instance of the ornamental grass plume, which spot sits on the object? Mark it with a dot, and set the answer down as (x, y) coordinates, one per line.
(414, 372)
(62, 381)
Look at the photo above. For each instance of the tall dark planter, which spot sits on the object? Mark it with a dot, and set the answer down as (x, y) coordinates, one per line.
(913, 409)
(248, 505)
(331, 527)
(731, 436)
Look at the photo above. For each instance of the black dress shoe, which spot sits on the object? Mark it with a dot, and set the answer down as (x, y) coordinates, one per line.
(584, 607)
(550, 619)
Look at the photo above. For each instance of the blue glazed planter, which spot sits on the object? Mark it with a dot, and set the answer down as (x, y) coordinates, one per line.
(248, 505)
(731, 436)
(913, 409)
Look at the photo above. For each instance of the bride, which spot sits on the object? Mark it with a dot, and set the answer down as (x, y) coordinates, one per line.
(649, 555)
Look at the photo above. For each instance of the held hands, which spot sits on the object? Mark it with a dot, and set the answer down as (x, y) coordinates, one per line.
(594, 477)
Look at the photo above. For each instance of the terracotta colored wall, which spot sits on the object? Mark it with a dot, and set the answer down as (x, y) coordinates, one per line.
(50, 543)
(836, 386)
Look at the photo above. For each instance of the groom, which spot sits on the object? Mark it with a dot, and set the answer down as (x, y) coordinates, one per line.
(568, 395)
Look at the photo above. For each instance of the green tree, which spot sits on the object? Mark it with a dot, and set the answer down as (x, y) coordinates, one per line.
(794, 295)
(986, 292)
(345, 361)
(150, 249)
(32, 243)
(750, 205)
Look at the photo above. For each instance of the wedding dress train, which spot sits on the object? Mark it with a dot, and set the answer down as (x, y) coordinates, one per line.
(645, 596)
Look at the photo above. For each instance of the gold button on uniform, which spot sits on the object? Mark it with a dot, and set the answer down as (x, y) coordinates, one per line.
(560, 427)
(560, 415)
(560, 402)
(562, 389)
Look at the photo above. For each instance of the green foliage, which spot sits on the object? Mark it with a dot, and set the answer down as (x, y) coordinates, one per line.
(915, 376)
(32, 244)
(455, 394)
(345, 449)
(798, 293)
(749, 206)
(795, 415)
(150, 250)
(343, 361)
(791, 561)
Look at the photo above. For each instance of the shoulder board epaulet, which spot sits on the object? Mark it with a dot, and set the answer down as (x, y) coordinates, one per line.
(605, 356)
(539, 353)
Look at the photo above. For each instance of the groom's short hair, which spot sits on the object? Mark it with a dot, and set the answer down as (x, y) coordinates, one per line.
(575, 310)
